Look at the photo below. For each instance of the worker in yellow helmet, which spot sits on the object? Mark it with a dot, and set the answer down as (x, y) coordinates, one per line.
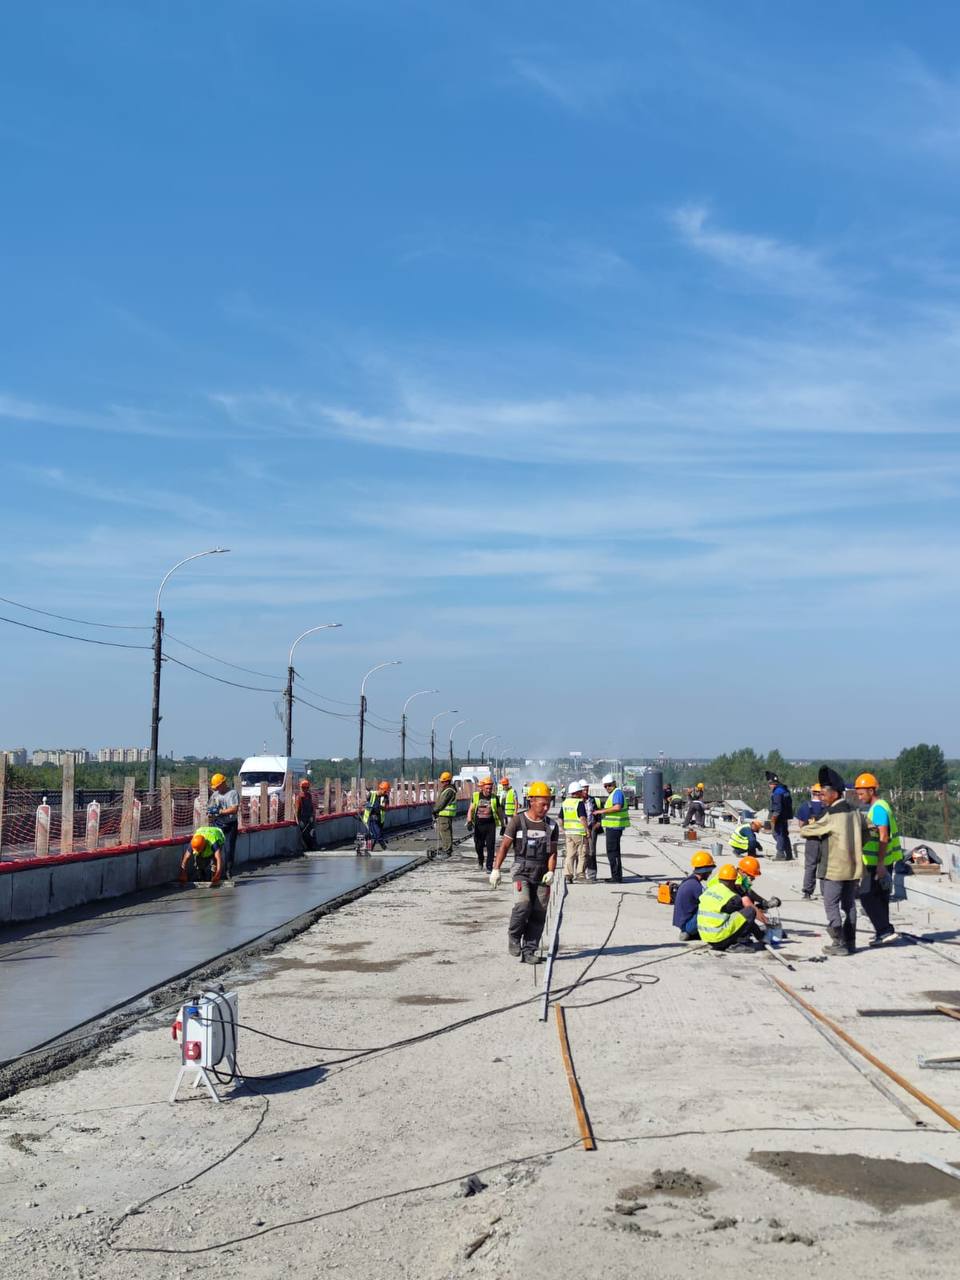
(881, 853)
(809, 811)
(444, 812)
(689, 891)
(223, 809)
(534, 838)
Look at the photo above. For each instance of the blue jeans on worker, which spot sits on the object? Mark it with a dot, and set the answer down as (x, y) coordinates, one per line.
(376, 834)
(690, 927)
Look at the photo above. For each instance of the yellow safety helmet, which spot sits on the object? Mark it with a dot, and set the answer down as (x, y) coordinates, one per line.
(702, 859)
(217, 779)
(727, 872)
(539, 789)
(446, 776)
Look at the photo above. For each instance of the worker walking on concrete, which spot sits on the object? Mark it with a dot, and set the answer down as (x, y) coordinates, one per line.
(306, 817)
(534, 838)
(614, 820)
(223, 808)
(841, 831)
(204, 855)
(686, 903)
(444, 811)
(484, 816)
(724, 921)
(810, 809)
(881, 852)
(781, 811)
(375, 816)
(508, 802)
(574, 816)
(744, 839)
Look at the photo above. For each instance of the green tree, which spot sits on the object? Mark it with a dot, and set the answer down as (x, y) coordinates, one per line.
(921, 768)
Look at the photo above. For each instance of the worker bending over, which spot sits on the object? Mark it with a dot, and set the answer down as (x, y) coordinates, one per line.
(444, 811)
(375, 816)
(744, 839)
(204, 855)
(484, 816)
(508, 802)
(534, 838)
(726, 918)
(687, 901)
(696, 811)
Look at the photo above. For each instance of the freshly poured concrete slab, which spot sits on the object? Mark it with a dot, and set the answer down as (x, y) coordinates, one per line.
(56, 977)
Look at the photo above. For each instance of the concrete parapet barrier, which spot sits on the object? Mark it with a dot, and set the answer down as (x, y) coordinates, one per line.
(31, 889)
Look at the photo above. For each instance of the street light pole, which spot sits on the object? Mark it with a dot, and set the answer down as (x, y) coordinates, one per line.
(452, 732)
(324, 626)
(158, 661)
(433, 740)
(471, 742)
(363, 713)
(483, 746)
(403, 730)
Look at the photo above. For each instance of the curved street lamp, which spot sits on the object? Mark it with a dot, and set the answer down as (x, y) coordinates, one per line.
(471, 742)
(158, 659)
(363, 713)
(433, 739)
(452, 732)
(324, 626)
(403, 730)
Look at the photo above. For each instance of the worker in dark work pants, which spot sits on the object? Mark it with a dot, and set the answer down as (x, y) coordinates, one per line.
(534, 838)
(223, 809)
(614, 821)
(484, 816)
(304, 813)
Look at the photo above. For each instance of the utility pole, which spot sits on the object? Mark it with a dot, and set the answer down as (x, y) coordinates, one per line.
(288, 693)
(452, 732)
(403, 730)
(363, 715)
(433, 740)
(470, 744)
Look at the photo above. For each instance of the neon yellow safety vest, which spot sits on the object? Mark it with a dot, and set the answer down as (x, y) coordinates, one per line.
(509, 798)
(449, 810)
(213, 836)
(871, 847)
(494, 808)
(572, 822)
(613, 821)
(384, 804)
(714, 924)
(739, 839)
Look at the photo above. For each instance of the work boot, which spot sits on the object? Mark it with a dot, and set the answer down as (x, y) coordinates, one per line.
(513, 947)
(850, 936)
(529, 957)
(837, 945)
(182, 878)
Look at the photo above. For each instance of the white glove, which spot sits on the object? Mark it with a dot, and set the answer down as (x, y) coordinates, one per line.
(548, 878)
(494, 879)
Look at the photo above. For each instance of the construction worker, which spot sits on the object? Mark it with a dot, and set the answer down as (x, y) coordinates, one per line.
(224, 808)
(444, 811)
(305, 816)
(842, 830)
(484, 816)
(687, 901)
(508, 802)
(375, 816)
(744, 839)
(592, 820)
(724, 920)
(614, 820)
(881, 852)
(748, 869)
(676, 805)
(534, 838)
(810, 809)
(573, 813)
(781, 811)
(205, 852)
(696, 811)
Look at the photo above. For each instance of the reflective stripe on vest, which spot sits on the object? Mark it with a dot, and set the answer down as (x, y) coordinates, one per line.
(572, 822)
(449, 810)
(492, 801)
(371, 796)
(212, 835)
(739, 839)
(871, 847)
(509, 798)
(612, 821)
(713, 924)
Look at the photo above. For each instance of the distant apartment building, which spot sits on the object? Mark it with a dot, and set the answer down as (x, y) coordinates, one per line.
(16, 755)
(57, 755)
(123, 755)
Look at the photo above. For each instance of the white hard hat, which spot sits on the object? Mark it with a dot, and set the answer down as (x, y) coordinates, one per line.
(607, 777)
(581, 785)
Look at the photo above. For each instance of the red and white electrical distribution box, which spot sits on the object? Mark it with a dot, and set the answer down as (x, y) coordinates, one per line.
(206, 1028)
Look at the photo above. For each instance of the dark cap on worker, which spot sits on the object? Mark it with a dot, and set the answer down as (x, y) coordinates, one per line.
(828, 777)
(771, 777)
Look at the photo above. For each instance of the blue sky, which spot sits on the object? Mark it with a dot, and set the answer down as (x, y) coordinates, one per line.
(600, 362)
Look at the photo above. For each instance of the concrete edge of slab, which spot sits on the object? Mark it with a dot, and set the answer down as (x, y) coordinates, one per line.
(70, 1051)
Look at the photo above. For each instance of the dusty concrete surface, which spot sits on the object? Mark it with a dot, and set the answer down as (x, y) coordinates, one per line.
(730, 1134)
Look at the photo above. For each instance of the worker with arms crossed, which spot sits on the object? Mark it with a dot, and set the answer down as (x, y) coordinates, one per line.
(534, 838)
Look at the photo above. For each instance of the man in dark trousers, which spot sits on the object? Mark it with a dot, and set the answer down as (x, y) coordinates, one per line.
(808, 811)
(304, 813)
(781, 811)
(841, 830)
(223, 808)
(484, 816)
(592, 822)
(534, 838)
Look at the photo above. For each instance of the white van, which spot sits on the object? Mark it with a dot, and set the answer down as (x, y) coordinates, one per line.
(272, 770)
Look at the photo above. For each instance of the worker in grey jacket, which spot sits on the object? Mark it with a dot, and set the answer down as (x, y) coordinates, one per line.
(841, 831)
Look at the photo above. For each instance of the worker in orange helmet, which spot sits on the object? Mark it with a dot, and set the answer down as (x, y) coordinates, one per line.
(205, 852)
(444, 812)
(749, 868)
(534, 838)
(305, 815)
(375, 816)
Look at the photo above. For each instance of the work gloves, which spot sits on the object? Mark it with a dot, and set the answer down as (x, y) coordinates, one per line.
(494, 879)
(469, 827)
(774, 902)
(548, 878)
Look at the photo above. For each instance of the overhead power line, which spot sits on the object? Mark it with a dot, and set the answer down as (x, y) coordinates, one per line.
(82, 622)
(66, 635)
(338, 715)
(219, 679)
(267, 675)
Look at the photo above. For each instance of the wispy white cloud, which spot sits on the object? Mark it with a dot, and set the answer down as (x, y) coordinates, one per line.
(761, 261)
(116, 419)
(577, 86)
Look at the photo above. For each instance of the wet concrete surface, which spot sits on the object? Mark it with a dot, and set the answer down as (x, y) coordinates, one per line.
(55, 977)
(885, 1184)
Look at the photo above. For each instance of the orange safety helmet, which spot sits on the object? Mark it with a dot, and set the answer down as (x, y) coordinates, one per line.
(198, 843)
(727, 872)
(749, 866)
(304, 784)
(504, 782)
(446, 776)
(383, 787)
(485, 782)
(866, 780)
(539, 789)
(702, 859)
